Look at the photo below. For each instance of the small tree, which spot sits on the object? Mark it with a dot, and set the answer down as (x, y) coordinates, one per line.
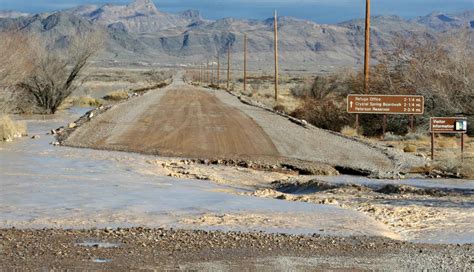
(15, 65)
(55, 72)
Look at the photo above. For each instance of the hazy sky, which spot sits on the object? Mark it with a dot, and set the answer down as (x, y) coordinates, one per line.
(323, 11)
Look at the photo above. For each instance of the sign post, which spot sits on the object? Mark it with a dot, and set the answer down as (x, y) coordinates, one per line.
(449, 125)
(385, 104)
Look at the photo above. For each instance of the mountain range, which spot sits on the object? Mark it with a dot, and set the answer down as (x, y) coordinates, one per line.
(140, 34)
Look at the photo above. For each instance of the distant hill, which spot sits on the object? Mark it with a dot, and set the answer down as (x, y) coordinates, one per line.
(139, 33)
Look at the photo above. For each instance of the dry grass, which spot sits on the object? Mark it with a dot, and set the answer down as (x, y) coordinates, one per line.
(83, 102)
(447, 142)
(117, 96)
(10, 130)
(349, 131)
(410, 148)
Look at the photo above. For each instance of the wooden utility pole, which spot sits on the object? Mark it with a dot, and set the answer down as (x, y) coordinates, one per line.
(367, 47)
(366, 55)
(228, 67)
(218, 71)
(207, 73)
(200, 74)
(212, 72)
(276, 55)
(245, 62)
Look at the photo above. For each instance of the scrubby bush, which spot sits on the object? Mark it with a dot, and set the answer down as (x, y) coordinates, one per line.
(279, 108)
(117, 96)
(410, 148)
(54, 73)
(442, 72)
(10, 129)
(327, 114)
(83, 102)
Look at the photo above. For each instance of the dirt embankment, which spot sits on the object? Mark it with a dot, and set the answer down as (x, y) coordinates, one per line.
(186, 121)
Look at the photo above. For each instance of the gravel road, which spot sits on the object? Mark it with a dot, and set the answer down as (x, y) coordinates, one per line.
(165, 250)
(186, 121)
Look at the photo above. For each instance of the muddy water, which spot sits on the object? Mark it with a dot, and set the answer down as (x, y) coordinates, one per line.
(60, 187)
(457, 224)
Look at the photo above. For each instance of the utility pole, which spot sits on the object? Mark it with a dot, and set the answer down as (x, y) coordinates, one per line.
(200, 74)
(218, 71)
(228, 67)
(366, 56)
(245, 62)
(276, 55)
(207, 73)
(212, 72)
(367, 47)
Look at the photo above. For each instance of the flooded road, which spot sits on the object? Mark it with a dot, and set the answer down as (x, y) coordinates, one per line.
(60, 187)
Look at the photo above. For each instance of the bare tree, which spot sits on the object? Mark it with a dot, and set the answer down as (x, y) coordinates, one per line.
(15, 65)
(56, 72)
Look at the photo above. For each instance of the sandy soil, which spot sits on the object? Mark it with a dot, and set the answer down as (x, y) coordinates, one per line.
(165, 250)
(186, 121)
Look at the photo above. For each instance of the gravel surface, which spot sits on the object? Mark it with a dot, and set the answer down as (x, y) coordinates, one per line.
(160, 249)
(309, 143)
(186, 121)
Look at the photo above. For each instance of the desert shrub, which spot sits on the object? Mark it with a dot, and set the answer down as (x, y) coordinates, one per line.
(279, 108)
(323, 114)
(116, 96)
(83, 102)
(443, 72)
(389, 136)
(410, 148)
(55, 72)
(155, 76)
(10, 129)
(415, 137)
(148, 88)
(16, 63)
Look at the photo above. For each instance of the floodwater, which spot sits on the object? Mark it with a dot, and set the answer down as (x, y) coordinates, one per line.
(460, 219)
(60, 187)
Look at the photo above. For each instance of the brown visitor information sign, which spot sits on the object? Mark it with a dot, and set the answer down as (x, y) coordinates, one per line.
(448, 125)
(386, 104)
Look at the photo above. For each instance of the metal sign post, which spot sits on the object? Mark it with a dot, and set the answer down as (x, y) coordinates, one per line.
(448, 125)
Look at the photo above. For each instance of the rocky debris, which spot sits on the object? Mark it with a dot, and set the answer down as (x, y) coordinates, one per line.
(279, 165)
(62, 133)
(296, 187)
(35, 137)
(163, 248)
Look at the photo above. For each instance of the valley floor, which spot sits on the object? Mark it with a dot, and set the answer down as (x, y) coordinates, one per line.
(79, 208)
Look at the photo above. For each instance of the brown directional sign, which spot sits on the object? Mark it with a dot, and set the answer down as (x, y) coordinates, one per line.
(448, 125)
(386, 104)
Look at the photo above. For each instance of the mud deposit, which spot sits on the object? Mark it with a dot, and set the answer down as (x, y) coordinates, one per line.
(164, 250)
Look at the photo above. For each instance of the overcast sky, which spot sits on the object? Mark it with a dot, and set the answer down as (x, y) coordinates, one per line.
(323, 11)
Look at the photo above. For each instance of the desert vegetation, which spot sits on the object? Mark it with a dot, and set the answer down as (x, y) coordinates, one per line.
(55, 74)
(443, 72)
(38, 79)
